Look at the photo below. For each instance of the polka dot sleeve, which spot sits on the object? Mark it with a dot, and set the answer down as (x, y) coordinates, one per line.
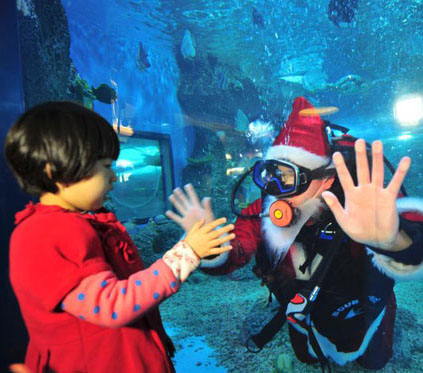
(104, 300)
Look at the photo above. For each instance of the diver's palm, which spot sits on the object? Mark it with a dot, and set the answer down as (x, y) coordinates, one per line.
(189, 207)
(370, 215)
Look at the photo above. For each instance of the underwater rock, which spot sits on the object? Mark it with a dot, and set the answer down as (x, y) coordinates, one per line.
(283, 364)
(44, 43)
(241, 121)
(188, 45)
(153, 239)
(160, 219)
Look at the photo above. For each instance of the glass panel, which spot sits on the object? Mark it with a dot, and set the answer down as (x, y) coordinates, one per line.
(218, 80)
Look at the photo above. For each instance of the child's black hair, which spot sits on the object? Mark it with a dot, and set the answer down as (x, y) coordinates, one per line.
(67, 136)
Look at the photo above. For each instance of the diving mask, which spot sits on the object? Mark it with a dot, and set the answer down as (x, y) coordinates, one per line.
(282, 178)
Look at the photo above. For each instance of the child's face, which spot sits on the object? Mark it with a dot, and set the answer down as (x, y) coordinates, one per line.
(89, 193)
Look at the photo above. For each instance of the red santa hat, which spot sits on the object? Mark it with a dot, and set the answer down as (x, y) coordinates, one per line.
(303, 140)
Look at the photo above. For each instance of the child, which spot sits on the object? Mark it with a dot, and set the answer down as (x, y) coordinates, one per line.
(88, 302)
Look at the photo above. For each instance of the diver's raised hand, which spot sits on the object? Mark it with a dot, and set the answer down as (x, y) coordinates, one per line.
(370, 215)
(205, 240)
(189, 207)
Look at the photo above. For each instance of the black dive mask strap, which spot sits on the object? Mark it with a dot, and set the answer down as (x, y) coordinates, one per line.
(322, 172)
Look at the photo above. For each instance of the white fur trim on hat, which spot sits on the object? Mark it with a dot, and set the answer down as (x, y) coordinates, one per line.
(299, 156)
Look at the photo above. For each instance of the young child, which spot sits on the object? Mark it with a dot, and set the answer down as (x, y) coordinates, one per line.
(88, 302)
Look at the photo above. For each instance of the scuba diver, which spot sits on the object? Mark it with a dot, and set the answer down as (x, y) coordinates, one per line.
(329, 242)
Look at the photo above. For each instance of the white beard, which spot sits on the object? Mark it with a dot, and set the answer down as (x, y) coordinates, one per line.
(279, 239)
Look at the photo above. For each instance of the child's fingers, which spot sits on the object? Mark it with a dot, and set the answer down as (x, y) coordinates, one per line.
(197, 226)
(220, 250)
(221, 240)
(219, 232)
(215, 223)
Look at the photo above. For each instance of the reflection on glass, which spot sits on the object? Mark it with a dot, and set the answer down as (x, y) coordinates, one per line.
(138, 192)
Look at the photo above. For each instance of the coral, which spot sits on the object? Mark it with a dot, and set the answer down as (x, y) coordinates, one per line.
(155, 238)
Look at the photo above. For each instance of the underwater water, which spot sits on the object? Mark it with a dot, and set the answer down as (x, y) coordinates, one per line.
(198, 90)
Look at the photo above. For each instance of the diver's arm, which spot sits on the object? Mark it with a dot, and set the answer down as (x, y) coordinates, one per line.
(406, 264)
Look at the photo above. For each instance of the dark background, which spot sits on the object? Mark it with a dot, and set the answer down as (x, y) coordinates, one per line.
(13, 334)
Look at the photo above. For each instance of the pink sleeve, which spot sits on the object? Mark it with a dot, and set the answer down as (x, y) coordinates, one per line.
(104, 300)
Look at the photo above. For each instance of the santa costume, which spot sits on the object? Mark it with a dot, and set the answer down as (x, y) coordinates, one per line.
(352, 318)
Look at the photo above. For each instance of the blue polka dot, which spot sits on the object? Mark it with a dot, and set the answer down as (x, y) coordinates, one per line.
(123, 290)
(114, 316)
(156, 295)
(81, 296)
(156, 272)
(63, 306)
(173, 284)
(138, 282)
(96, 309)
(82, 317)
(137, 307)
(103, 283)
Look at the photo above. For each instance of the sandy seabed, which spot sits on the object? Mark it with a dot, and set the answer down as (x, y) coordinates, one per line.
(210, 319)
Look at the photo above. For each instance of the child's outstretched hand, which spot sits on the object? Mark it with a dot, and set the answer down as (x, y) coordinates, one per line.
(205, 240)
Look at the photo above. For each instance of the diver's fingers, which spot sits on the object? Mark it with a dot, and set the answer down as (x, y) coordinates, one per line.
(402, 169)
(363, 174)
(182, 198)
(177, 203)
(344, 176)
(192, 194)
(220, 250)
(333, 203)
(206, 202)
(215, 223)
(218, 232)
(172, 216)
(221, 240)
(377, 164)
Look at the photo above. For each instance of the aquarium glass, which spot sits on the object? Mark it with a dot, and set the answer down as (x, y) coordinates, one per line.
(197, 92)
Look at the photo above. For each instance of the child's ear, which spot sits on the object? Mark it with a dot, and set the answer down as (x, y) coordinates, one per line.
(47, 170)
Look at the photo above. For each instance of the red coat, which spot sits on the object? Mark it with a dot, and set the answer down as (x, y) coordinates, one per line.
(51, 251)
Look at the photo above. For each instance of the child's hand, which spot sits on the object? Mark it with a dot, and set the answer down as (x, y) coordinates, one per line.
(205, 240)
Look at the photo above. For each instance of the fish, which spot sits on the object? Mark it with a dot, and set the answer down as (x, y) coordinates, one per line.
(188, 46)
(104, 93)
(258, 19)
(142, 59)
(297, 79)
(342, 11)
(213, 126)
